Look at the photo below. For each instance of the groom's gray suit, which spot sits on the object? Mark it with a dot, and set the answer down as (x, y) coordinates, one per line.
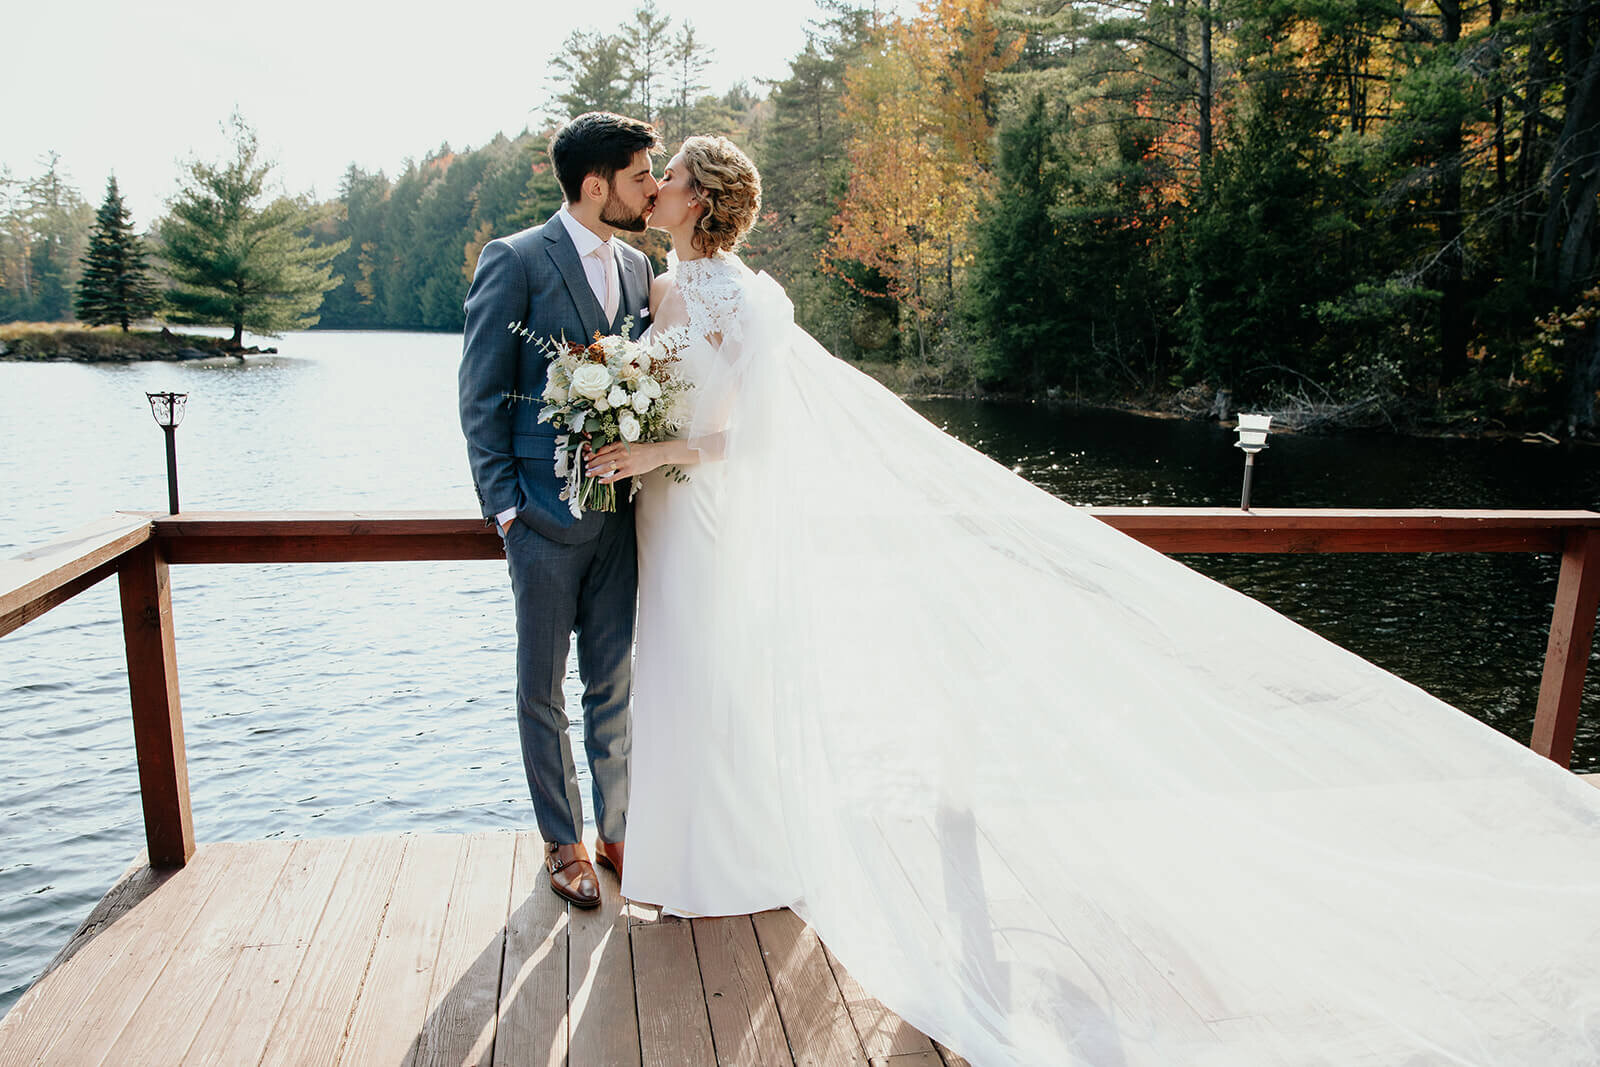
(567, 575)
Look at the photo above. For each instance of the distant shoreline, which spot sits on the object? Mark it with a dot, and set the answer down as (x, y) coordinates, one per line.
(22, 342)
(26, 342)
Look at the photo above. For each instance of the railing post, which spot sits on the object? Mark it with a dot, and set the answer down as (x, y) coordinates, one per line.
(1566, 658)
(157, 718)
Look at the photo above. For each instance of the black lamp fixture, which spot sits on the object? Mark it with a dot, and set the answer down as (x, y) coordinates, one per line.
(1253, 430)
(167, 408)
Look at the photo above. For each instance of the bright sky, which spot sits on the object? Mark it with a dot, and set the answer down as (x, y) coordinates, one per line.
(137, 87)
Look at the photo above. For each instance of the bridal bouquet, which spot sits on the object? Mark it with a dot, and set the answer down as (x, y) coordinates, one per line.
(612, 389)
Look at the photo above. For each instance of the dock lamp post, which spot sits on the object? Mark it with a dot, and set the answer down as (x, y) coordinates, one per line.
(168, 411)
(1252, 431)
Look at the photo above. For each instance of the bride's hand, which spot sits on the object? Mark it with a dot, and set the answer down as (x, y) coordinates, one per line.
(620, 460)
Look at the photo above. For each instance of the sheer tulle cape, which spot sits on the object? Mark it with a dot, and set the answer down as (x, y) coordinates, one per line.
(1058, 799)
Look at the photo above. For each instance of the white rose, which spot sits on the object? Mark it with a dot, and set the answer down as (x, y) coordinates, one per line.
(602, 404)
(641, 402)
(618, 397)
(628, 426)
(643, 359)
(555, 394)
(651, 388)
(591, 381)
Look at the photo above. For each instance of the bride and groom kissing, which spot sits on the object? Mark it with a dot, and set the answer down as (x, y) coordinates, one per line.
(1051, 796)
(573, 277)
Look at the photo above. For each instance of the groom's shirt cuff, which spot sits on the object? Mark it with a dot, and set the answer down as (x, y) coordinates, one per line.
(504, 517)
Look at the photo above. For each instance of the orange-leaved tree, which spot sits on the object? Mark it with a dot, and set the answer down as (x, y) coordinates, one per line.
(919, 157)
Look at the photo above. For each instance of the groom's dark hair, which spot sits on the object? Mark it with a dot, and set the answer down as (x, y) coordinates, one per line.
(597, 142)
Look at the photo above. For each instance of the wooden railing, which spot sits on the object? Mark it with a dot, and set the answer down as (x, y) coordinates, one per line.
(138, 548)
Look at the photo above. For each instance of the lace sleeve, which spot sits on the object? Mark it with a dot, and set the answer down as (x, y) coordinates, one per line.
(713, 292)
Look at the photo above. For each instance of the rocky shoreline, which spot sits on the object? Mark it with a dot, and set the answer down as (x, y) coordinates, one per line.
(80, 345)
(1199, 403)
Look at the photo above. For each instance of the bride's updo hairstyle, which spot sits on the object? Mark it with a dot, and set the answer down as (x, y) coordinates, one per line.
(727, 184)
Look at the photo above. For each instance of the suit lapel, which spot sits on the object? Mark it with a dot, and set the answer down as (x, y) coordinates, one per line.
(632, 288)
(565, 257)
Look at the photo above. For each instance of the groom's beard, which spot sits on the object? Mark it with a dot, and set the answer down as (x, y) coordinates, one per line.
(616, 214)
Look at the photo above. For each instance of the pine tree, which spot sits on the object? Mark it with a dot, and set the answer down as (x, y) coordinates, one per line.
(688, 57)
(647, 46)
(1015, 289)
(238, 258)
(60, 219)
(116, 284)
(591, 72)
(44, 229)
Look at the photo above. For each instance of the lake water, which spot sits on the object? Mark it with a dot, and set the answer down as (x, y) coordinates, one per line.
(366, 698)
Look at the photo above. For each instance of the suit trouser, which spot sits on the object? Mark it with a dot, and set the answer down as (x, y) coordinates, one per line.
(588, 589)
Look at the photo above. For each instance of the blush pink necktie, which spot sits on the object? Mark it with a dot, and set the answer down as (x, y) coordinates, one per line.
(605, 255)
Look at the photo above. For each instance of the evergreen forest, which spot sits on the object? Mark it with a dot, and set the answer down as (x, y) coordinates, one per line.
(1364, 212)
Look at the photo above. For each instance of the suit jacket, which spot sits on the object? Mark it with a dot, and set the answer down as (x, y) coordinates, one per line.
(534, 279)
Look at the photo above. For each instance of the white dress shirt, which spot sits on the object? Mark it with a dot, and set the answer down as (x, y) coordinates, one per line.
(585, 241)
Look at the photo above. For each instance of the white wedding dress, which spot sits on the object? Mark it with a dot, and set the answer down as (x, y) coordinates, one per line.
(1053, 797)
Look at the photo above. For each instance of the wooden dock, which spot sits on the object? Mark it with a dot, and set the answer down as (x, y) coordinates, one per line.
(437, 949)
(450, 949)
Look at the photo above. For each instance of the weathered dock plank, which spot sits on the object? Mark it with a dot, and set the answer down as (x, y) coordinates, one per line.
(460, 1027)
(240, 1022)
(394, 996)
(172, 1012)
(809, 1003)
(310, 1026)
(666, 975)
(76, 1012)
(533, 979)
(602, 1015)
(739, 1000)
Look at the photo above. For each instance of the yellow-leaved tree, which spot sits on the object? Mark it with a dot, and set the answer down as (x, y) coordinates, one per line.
(919, 157)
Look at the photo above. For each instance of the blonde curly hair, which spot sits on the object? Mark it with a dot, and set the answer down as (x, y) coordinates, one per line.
(729, 186)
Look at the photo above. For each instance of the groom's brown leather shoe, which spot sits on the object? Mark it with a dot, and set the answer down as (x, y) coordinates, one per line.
(571, 874)
(609, 854)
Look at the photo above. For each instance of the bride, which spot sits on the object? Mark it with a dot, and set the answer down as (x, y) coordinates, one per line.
(1050, 795)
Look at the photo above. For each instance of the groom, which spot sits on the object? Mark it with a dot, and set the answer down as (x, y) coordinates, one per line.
(567, 278)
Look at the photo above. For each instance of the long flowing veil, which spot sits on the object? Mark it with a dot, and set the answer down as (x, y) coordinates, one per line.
(1058, 799)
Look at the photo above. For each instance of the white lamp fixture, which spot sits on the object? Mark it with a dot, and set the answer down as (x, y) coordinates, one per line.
(1252, 430)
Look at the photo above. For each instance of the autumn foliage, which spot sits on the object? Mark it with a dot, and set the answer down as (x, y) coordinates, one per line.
(919, 108)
